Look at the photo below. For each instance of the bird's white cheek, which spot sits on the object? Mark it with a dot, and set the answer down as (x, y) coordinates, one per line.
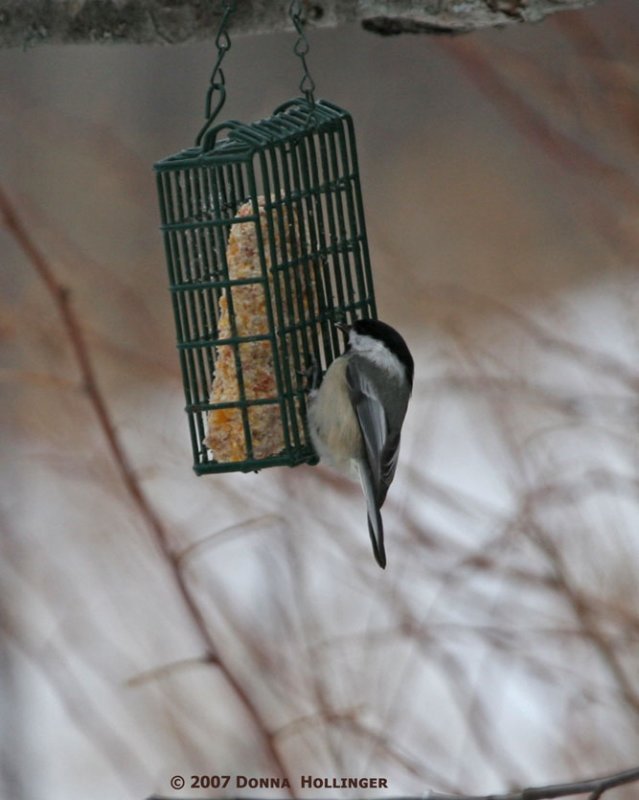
(377, 353)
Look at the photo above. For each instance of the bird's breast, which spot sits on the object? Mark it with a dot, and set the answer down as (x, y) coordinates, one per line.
(332, 421)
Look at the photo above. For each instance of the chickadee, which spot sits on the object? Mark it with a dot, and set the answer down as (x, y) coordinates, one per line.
(355, 416)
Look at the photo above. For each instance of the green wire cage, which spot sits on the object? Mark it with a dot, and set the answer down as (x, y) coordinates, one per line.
(266, 249)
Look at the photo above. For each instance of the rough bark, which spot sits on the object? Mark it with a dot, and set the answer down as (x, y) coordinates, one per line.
(28, 22)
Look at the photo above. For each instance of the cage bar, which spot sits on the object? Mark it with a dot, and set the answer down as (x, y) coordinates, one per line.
(266, 249)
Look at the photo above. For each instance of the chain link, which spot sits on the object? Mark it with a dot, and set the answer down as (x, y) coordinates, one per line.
(223, 45)
(217, 81)
(307, 84)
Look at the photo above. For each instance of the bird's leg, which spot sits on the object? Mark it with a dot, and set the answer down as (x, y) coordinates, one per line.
(312, 375)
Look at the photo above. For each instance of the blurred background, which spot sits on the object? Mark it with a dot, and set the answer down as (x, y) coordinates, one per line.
(154, 623)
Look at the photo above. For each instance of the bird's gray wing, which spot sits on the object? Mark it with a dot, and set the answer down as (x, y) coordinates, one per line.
(375, 524)
(381, 447)
(388, 460)
(379, 459)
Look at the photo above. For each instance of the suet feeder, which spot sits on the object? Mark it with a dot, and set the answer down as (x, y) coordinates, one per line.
(266, 248)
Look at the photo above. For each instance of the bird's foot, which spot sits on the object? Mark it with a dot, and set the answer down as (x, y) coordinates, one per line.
(312, 376)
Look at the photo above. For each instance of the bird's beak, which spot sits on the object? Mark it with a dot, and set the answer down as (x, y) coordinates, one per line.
(345, 329)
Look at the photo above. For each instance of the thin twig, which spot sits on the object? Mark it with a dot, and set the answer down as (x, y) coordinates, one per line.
(595, 359)
(80, 704)
(562, 148)
(584, 615)
(164, 670)
(595, 787)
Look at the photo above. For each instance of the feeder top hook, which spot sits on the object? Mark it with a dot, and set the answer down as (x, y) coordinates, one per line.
(217, 82)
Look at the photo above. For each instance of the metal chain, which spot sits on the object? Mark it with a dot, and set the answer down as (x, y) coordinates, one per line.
(223, 45)
(307, 84)
(217, 82)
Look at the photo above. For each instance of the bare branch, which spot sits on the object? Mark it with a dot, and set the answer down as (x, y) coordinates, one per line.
(62, 300)
(28, 22)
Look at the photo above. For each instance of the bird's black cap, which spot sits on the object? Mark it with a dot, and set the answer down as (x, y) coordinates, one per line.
(391, 338)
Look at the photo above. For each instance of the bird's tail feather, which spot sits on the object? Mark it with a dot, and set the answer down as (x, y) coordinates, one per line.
(375, 525)
(376, 530)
